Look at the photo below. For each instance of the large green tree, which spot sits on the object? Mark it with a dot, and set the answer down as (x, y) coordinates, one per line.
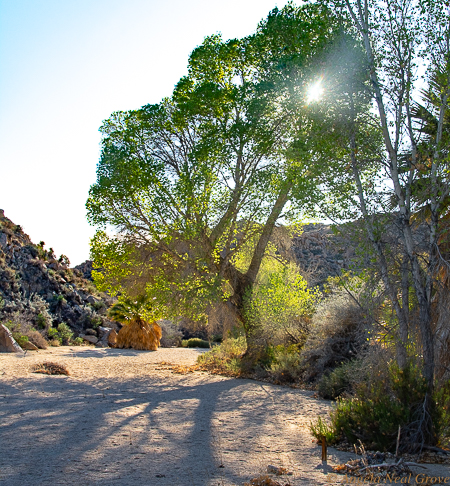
(189, 182)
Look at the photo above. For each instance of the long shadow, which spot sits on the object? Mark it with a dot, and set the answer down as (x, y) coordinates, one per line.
(28, 417)
(111, 352)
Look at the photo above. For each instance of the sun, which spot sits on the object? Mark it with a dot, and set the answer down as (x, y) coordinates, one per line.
(315, 92)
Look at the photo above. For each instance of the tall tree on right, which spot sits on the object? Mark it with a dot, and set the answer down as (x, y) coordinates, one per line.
(406, 47)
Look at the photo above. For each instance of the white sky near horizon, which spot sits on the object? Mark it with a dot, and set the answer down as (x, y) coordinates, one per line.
(66, 65)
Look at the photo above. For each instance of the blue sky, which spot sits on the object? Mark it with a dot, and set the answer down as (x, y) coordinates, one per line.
(66, 65)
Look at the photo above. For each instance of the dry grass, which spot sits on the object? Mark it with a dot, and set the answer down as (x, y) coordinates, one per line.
(50, 368)
(37, 339)
(338, 334)
(139, 334)
(112, 338)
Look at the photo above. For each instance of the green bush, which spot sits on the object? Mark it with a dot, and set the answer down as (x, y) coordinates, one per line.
(41, 321)
(52, 334)
(20, 339)
(285, 365)
(96, 322)
(321, 429)
(377, 409)
(98, 305)
(281, 305)
(64, 333)
(195, 343)
(78, 341)
(339, 381)
(225, 358)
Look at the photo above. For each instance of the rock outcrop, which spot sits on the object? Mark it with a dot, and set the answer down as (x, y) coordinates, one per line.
(86, 269)
(318, 252)
(42, 289)
(7, 342)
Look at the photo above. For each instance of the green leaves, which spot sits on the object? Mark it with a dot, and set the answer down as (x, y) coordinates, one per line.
(187, 183)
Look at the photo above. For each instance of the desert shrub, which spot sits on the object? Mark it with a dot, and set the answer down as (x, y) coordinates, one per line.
(36, 338)
(64, 260)
(39, 312)
(78, 341)
(50, 368)
(321, 429)
(41, 321)
(171, 335)
(339, 333)
(60, 299)
(99, 305)
(377, 409)
(21, 339)
(52, 333)
(285, 363)
(341, 380)
(55, 342)
(281, 305)
(64, 333)
(96, 321)
(225, 357)
(195, 343)
(23, 331)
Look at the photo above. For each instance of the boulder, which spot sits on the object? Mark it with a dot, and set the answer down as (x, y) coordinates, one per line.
(103, 332)
(7, 342)
(102, 344)
(91, 332)
(91, 299)
(3, 240)
(90, 339)
(29, 346)
(54, 265)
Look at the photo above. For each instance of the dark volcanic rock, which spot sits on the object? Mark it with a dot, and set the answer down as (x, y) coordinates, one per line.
(85, 269)
(34, 284)
(320, 253)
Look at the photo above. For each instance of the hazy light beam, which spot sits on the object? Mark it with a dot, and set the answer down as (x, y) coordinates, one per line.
(315, 92)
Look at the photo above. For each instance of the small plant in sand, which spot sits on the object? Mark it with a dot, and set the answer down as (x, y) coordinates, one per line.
(50, 368)
(140, 330)
(195, 343)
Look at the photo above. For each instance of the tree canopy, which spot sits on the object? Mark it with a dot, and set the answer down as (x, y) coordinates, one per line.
(189, 182)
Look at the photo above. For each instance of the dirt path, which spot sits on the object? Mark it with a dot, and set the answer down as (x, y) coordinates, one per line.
(123, 418)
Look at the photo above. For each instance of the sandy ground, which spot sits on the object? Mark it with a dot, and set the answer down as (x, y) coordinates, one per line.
(123, 418)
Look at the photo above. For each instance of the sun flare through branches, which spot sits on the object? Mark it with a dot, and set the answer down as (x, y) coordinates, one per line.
(314, 92)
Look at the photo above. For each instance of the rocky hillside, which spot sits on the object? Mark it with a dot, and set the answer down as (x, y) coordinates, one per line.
(39, 289)
(318, 252)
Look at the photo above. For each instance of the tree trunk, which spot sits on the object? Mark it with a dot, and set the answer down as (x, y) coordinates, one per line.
(403, 323)
(243, 284)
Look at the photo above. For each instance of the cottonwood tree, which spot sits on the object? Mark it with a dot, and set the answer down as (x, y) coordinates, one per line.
(189, 182)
